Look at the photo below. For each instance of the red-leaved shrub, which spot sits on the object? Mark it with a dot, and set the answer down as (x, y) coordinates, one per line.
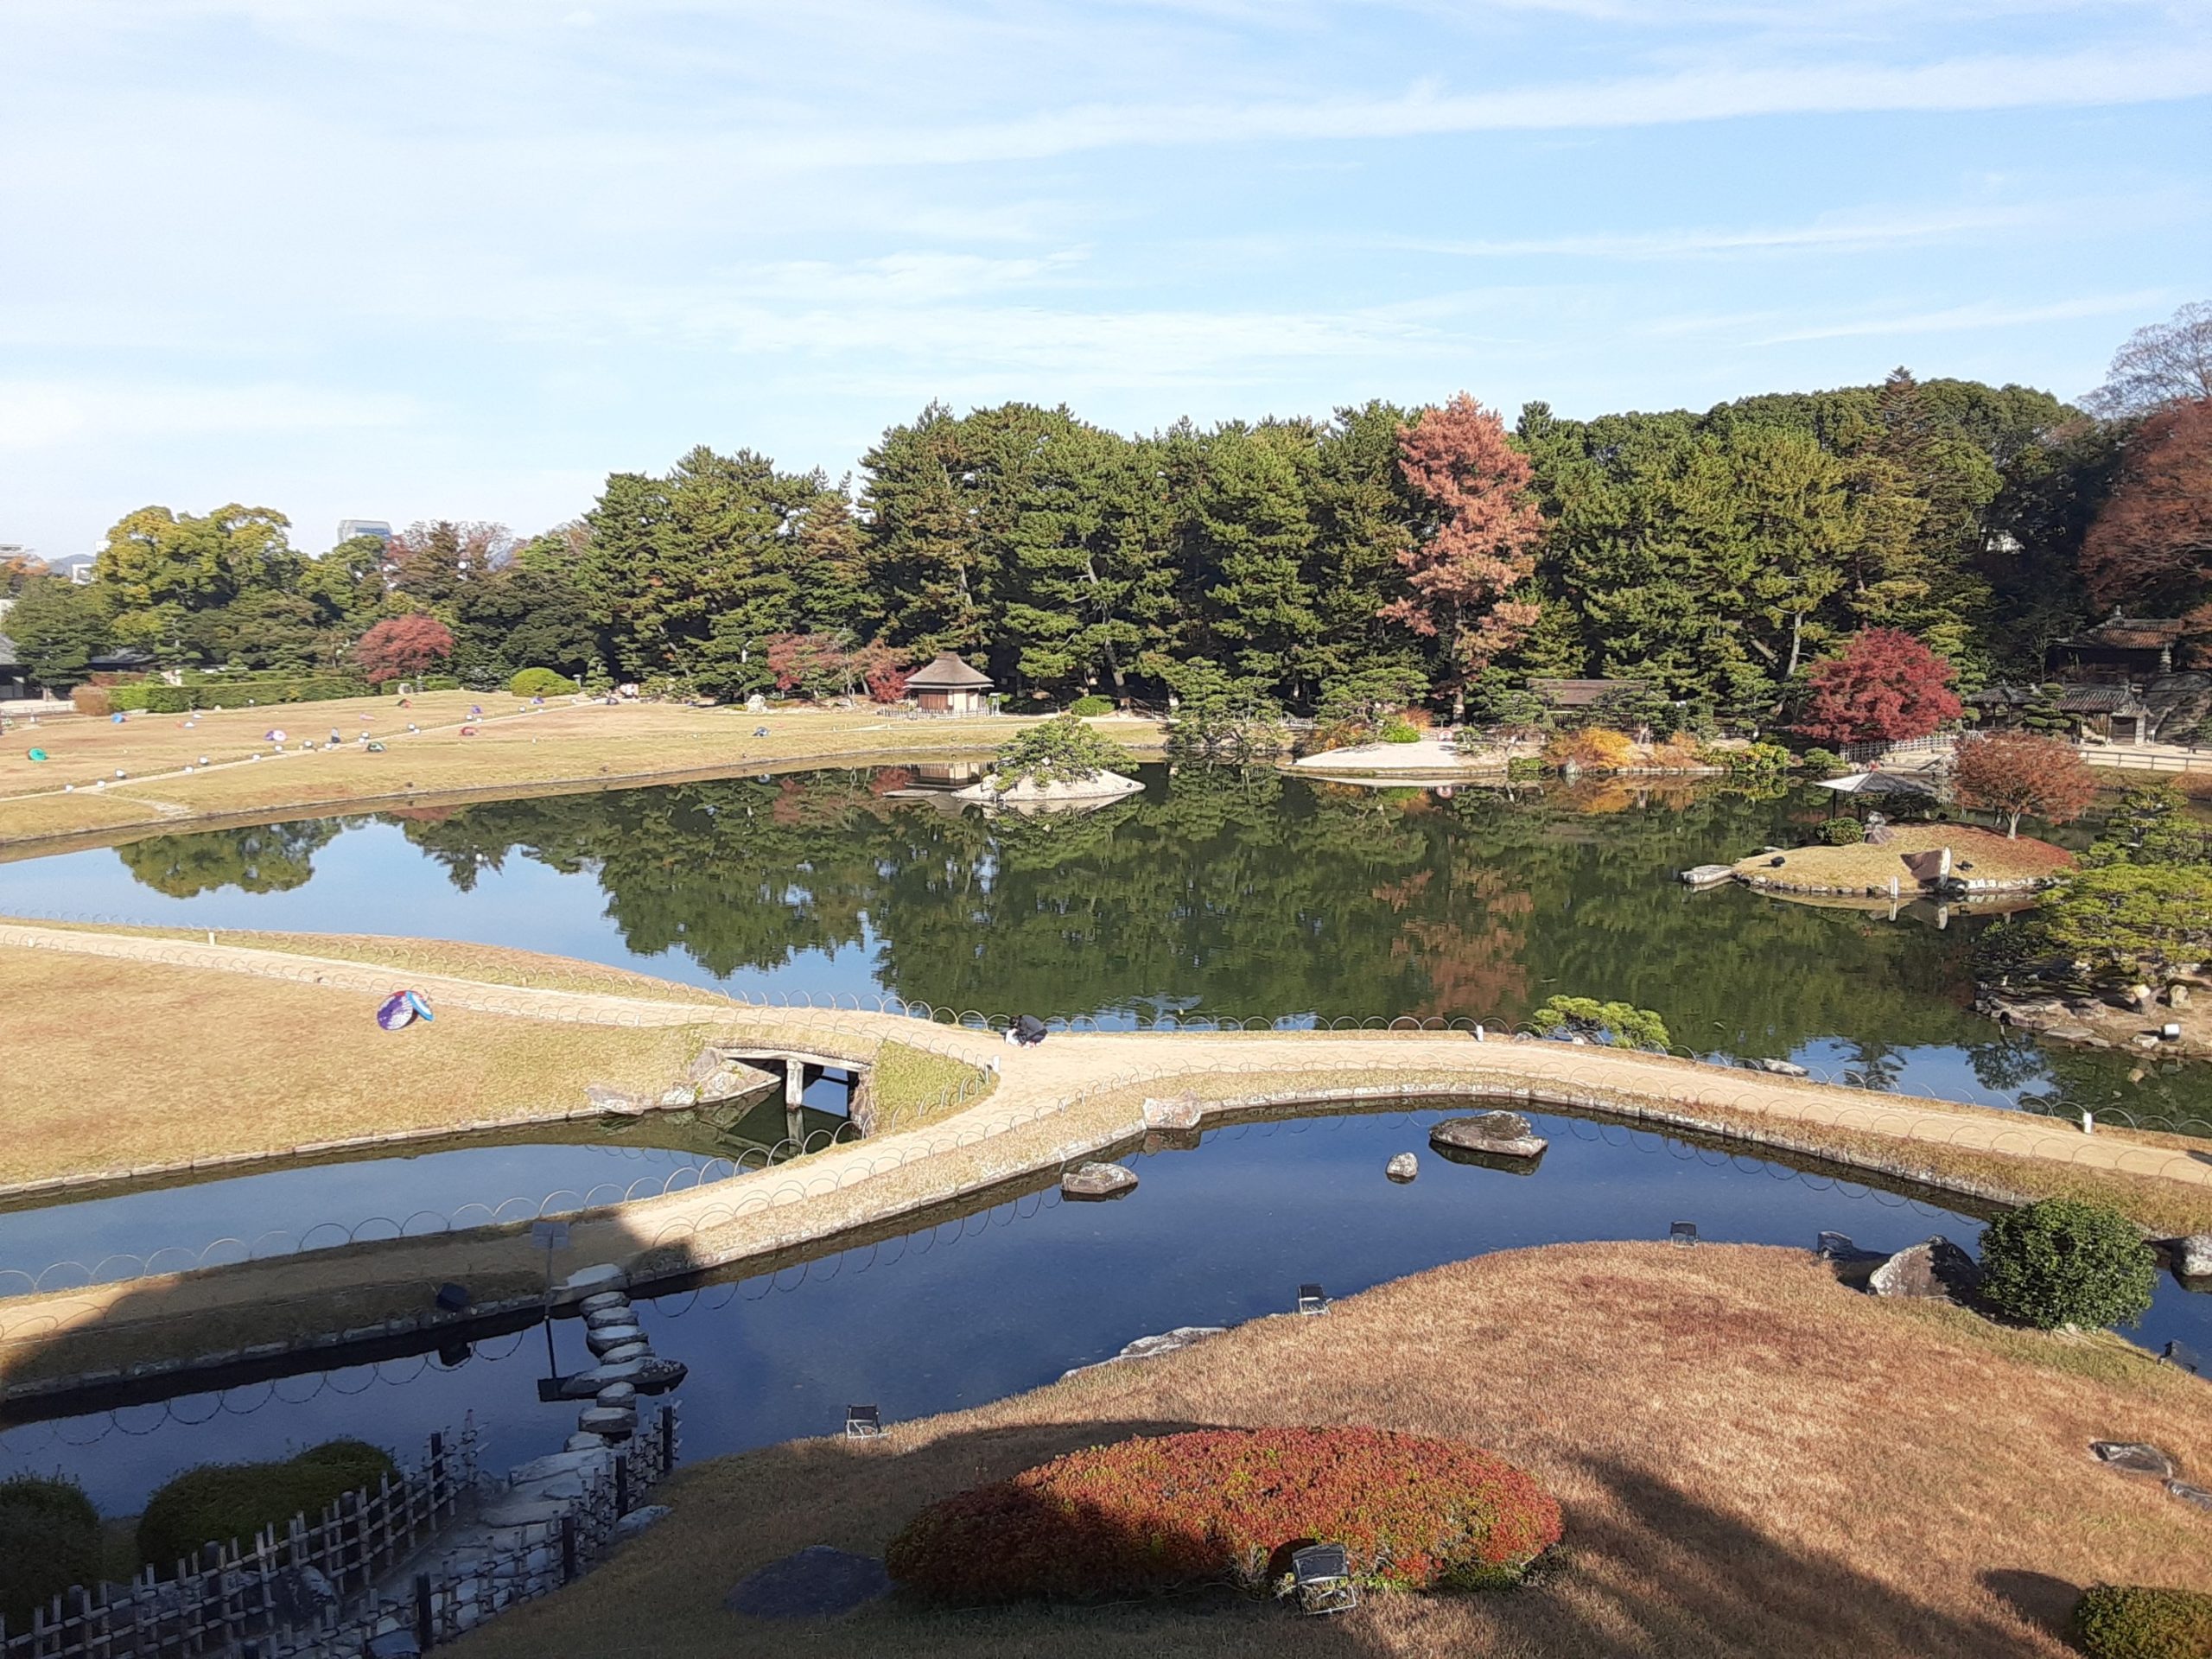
(1230, 1505)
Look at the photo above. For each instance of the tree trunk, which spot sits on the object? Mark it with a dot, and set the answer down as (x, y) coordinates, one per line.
(1796, 640)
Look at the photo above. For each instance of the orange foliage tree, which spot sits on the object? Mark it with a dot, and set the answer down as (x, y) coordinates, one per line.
(1885, 687)
(401, 645)
(2019, 773)
(1483, 542)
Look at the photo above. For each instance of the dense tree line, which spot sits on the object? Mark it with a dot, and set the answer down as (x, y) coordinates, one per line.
(1716, 555)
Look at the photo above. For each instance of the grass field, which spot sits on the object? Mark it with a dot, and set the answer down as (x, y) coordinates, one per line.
(1753, 1459)
(115, 1065)
(515, 747)
(1992, 857)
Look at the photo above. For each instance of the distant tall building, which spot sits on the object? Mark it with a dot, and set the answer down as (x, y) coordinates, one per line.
(349, 528)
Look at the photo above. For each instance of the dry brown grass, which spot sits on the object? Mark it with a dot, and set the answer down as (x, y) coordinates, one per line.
(1994, 858)
(115, 1065)
(516, 750)
(1753, 1460)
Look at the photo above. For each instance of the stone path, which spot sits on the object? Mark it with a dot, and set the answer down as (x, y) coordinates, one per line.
(1069, 1098)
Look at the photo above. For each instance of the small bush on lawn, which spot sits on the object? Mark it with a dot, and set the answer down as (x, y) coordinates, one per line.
(1821, 763)
(541, 683)
(49, 1541)
(98, 701)
(1401, 731)
(2123, 1621)
(1618, 1023)
(1843, 832)
(218, 1501)
(2062, 1261)
(1230, 1505)
(1089, 707)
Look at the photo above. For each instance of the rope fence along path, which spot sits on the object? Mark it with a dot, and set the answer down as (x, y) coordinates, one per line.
(1078, 1093)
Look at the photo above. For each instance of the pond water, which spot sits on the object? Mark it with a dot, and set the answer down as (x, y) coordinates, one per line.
(1008, 1297)
(275, 1212)
(1252, 895)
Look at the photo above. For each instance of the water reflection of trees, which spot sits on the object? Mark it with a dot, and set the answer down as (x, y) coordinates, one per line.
(262, 858)
(1247, 893)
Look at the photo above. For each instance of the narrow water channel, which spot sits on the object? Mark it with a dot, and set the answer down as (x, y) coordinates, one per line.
(1008, 1297)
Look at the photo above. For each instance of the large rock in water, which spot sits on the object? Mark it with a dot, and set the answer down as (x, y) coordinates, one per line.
(1494, 1135)
(1938, 1270)
(2193, 1255)
(1098, 1182)
(1403, 1168)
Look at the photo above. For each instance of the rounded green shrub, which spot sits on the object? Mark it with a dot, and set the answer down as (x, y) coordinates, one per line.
(49, 1541)
(2126, 1621)
(218, 1501)
(1089, 707)
(1843, 832)
(1621, 1024)
(1401, 731)
(541, 683)
(1821, 763)
(1158, 1514)
(2065, 1262)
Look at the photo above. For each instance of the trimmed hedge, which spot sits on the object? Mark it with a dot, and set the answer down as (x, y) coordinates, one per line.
(1843, 832)
(1229, 1505)
(49, 1543)
(218, 1501)
(1401, 731)
(2065, 1262)
(1087, 708)
(155, 697)
(2126, 1621)
(541, 683)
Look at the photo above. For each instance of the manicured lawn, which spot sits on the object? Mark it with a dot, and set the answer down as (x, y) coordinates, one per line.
(515, 747)
(1753, 1461)
(1992, 858)
(113, 1064)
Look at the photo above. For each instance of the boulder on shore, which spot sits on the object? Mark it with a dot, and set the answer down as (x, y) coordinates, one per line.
(1938, 1270)
(2192, 1256)
(1176, 1112)
(1494, 1135)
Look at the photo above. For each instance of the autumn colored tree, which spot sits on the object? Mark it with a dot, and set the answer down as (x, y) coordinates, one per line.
(2019, 773)
(2151, 546)
(1884, 686)
(1483, 543)
(403, 645)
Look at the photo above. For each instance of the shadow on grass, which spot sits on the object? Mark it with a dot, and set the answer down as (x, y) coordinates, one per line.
(1645, 1570)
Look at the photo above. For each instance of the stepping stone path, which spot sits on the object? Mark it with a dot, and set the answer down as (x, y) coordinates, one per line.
(627, 1364)
(818, 1582)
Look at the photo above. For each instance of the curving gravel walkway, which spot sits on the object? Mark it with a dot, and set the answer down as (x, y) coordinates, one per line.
(1076, 1095)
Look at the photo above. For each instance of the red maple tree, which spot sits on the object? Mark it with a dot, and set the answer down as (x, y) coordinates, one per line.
(1884, 686)
(401, 645)
(1485, 542)
(2152, 545)
(2021, 772)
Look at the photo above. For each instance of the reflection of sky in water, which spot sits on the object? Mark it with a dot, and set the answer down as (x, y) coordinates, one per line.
(1005, 1300)
(276, 1211)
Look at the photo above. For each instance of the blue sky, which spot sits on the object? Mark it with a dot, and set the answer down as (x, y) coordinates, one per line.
(413, 258)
